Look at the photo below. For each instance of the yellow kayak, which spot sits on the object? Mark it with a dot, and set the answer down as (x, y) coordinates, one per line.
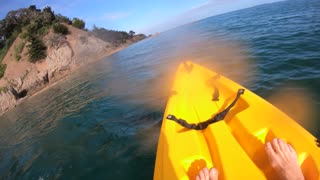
(211, 121)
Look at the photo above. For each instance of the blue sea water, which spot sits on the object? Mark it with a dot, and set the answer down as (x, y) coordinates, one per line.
(103, 121)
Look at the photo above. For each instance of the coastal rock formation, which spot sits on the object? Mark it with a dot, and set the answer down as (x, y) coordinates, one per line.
(7, 102)
(58, 60)
(64, 54)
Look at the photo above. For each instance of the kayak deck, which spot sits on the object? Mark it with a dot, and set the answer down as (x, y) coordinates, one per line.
(235, 145)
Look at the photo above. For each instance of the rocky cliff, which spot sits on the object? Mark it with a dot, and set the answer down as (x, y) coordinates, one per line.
(64, 54)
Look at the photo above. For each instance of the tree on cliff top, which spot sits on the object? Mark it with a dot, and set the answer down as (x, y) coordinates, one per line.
(78, 23)
(112, 36)
(131, 33)
(48, 15)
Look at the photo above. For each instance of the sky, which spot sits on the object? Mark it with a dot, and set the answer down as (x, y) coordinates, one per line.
(141, 16)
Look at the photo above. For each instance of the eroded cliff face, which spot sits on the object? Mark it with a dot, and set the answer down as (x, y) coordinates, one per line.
(7, 101)
(64, 54)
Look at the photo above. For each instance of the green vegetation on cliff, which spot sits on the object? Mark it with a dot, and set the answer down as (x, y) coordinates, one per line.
(110, 35)
(6, 44)
(18, 50)
(78, 23)
(60, 29)
(37, 50)
(3, 67)
(115, 37)
(32, 25)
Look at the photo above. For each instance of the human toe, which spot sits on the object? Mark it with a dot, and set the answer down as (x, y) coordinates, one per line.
(203, 174)
(275, 145)
(213, 174)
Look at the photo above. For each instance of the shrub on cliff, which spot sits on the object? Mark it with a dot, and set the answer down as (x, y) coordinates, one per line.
(34, 29)
(37, 50)
(60, 29)
(18, 50)
(3, 68)
(3, 89)
(3, 52)
(56, 41)
(78, 23)
(7, 43)
(63, 19)
(112, 36)
(47, 16)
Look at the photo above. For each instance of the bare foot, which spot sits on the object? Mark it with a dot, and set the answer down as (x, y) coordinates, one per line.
(206, 174)
(284, 160)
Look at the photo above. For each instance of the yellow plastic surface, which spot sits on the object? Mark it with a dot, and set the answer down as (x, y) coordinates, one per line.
(235, 145)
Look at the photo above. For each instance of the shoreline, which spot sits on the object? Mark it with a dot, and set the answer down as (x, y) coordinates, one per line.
(72, 69)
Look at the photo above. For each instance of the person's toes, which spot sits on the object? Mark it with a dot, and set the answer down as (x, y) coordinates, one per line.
(206, 173)
(202, 174)
(269, 150)
(283, 146)
(275, 145)
(213, 174)
(283, 160)
(198, 177)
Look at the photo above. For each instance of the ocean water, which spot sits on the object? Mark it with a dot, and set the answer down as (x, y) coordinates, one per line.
(103, 121)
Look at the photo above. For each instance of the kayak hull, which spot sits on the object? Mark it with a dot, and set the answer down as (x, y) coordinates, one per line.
(233, 145)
